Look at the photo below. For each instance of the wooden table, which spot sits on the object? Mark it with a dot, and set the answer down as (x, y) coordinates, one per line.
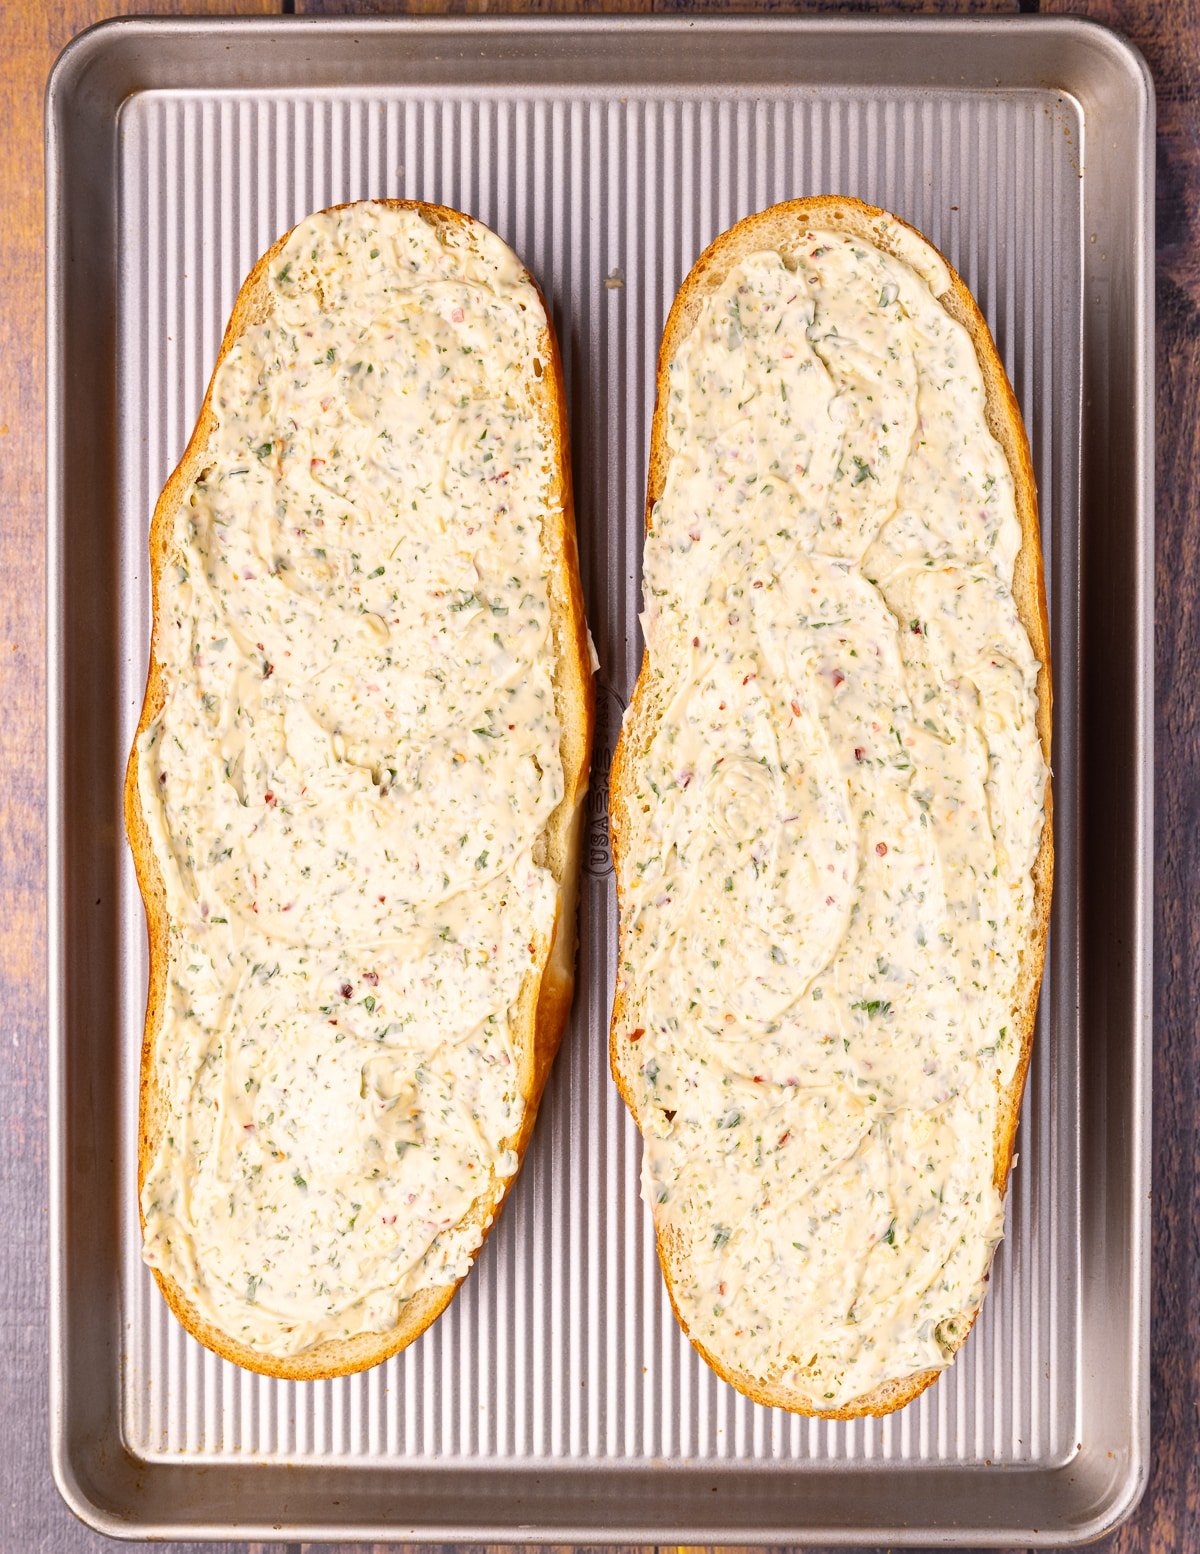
(1168, 32)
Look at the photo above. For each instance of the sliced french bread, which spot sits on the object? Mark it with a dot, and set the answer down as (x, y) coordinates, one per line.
(831, 810)
(355, 792)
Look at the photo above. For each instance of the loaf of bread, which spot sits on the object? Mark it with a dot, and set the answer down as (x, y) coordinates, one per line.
(830, 809)
(355, 792)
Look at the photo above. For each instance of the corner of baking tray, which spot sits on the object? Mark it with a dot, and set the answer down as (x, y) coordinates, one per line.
(71, 1481)
(77, 56)
(1118, 1502)
(1121, 52)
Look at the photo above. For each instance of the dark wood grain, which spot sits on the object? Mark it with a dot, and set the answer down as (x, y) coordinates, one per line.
(22, 850)
(1168, 32)
(644, 7)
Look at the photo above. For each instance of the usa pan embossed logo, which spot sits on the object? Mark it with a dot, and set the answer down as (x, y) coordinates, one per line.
(609, 711)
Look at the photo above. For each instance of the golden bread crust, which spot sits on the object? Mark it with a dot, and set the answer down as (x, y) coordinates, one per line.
(776, 229)
(545, 999)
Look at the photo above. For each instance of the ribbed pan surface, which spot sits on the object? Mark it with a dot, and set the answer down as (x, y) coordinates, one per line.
(561, 1345)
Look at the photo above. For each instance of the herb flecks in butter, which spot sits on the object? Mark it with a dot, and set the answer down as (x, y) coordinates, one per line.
(355, 591)
(827, 877)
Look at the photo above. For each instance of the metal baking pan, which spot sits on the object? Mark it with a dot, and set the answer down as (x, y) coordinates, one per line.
(556, 1400)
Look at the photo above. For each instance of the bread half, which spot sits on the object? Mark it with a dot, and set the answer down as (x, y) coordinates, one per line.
(437, 816)
(776, 1118)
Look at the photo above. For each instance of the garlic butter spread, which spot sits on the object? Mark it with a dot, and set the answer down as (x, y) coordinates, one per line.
(827, 881)
(356, 756)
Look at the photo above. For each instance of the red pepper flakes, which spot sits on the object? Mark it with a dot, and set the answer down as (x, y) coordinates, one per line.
(636, 1035)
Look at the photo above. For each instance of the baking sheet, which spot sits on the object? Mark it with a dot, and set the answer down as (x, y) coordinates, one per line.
(556, 1399)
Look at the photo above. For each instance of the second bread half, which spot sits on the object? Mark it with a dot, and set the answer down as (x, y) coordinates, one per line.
(831, 808)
